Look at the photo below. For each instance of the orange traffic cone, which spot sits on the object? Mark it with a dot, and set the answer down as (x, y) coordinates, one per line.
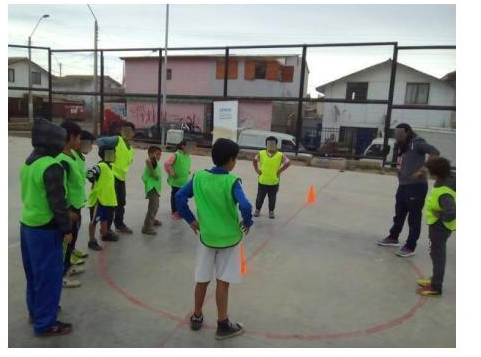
(311, 196)
(243, 259)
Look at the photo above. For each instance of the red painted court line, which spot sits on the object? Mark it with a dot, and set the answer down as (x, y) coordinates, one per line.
(113, 284)
(280, 336)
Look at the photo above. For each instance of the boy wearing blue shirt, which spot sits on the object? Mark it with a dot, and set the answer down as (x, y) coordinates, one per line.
(218, 195)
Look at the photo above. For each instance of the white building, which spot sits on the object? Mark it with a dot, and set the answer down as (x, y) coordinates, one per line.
(18, 77)
(362, 122)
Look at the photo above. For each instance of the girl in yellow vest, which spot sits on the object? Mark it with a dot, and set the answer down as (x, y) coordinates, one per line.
(440, 210)
(152, 178)
(177, 167)
(269, 164)
(102, 200)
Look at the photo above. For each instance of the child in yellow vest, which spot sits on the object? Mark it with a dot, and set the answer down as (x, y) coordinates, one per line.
(218, 196)
(269, 164)
(102, 200)
(152, 178)
(440, 209)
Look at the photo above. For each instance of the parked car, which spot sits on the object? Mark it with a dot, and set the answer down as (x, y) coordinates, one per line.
(256, 139)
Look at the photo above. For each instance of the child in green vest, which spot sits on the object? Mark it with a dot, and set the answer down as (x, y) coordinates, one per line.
(177, 167)
(218, 196)
(102, 200)
(269, 164)
(152, 178)
(44, 225)
(73, 162)
(440, 208)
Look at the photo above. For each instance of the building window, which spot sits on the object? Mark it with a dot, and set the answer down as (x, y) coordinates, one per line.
(11, 75)
(169, 74)
(356, 91)
(417, 93)
(36, 78)
(261, 68)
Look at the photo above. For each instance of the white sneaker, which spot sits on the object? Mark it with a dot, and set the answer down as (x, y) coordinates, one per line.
(70, 283)
(75, 270)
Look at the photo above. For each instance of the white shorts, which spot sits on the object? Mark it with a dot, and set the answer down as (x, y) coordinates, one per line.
(226, 262)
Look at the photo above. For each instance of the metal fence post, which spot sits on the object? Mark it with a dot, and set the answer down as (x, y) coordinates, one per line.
(101, 110)
(159, 93)
(226, 70)
(387, 123)
(300, 100)
(50, 114)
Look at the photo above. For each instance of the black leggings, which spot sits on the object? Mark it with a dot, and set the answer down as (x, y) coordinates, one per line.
(270, 191)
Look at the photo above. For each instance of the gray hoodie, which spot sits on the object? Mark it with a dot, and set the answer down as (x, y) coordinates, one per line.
(413, 160)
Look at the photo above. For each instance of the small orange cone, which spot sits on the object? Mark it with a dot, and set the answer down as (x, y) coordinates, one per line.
(243, 259)
(311, 196)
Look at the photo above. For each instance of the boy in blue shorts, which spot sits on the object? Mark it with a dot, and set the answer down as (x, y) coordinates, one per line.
(102, 199)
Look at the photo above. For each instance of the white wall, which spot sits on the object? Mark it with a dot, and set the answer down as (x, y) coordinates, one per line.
(21, 79)
(372, 115)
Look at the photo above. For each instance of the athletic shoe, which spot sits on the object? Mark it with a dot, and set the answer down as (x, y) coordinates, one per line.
(79, 253)
(109, 238)
(424, 282)
(175, 216)
(70, 283)
(75, 271)
(124, 229)
(58, 328)
(149, 231)
(271, 214)
(226, 329)
(389, 241)
(94, 245)
(428, 291)
(257, 213)
(74, 260)
(405, 252)
(196, 322)
(157, 223)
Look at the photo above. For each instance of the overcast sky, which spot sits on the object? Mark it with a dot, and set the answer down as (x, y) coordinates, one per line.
(71, 26)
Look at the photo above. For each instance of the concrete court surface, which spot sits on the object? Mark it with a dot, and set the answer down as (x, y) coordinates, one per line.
(315, 277)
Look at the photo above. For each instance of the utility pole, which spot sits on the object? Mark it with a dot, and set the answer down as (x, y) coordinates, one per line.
(30, 98)
(60, 68)
(96, 115)
(164, 78)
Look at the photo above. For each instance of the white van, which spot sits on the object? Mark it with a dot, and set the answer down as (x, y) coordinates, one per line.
(256, 139)
(375, 149)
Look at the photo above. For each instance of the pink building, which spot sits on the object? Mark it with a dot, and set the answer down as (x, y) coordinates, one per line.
(263, 76)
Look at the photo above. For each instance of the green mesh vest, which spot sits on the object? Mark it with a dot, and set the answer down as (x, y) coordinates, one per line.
(150, 182)
(181, 168)
(216, 209)
(76, 196)
(432, 204)
(36, 209)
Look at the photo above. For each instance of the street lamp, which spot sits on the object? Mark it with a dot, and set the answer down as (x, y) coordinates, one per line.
(30, 101)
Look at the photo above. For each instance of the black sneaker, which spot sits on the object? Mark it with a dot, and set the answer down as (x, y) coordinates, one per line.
(109, 238)
(226, 329)
(113, 233)
(257, 213)
(124, 229)
(196, 322)
(389, 241)
(94, 245)
(58, 328)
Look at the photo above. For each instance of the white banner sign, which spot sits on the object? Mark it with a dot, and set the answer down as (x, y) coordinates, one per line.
(225, 120)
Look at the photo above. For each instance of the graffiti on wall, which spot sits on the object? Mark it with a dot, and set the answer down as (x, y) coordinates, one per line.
(187, 116)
